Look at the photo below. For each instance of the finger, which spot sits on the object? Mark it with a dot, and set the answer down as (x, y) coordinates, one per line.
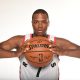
(53, 51)
(26, 49)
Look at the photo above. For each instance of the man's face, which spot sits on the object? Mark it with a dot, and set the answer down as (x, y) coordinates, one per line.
(40, 23)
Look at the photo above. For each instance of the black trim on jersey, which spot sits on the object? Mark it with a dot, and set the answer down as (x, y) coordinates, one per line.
(37, 75)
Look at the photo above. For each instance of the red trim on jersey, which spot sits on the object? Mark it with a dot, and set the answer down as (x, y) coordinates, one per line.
(54, 40)
(23, 40)
(30, 36)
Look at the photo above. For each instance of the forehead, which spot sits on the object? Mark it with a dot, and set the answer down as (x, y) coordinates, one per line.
(40, 16)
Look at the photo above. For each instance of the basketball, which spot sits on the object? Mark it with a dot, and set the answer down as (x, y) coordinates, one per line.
(38, 53)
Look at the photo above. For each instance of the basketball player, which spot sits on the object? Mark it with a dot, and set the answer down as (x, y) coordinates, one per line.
(40, 22)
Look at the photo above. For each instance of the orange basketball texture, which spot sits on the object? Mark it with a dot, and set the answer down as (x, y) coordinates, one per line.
(38, 53)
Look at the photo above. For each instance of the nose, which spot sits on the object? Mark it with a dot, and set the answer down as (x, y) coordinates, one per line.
(40, 24)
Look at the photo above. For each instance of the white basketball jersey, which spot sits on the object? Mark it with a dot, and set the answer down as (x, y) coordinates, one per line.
(28, 72)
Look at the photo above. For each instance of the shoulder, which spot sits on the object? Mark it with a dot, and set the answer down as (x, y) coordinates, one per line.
(14, 40)
(67, 44)
(19, 39)
(62, 40)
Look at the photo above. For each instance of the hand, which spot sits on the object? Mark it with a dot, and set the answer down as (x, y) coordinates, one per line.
(57, 50)
(21, 52)
(25, 47)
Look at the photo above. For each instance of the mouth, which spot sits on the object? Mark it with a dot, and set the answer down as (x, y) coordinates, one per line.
(40, 31)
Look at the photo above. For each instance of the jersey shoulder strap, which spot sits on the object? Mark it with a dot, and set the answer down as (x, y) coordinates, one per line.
(27, 36)
(52, 38)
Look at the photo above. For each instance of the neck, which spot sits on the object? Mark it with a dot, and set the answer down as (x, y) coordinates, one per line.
(44, 35)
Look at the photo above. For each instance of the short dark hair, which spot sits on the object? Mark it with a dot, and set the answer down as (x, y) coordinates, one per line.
(40, 11)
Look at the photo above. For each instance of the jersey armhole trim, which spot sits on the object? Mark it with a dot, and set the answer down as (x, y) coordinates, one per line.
(30, 36)
(23, 40)
(54, 40)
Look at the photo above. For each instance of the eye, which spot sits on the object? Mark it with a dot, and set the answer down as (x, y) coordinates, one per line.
(44, 21)
(35, 22)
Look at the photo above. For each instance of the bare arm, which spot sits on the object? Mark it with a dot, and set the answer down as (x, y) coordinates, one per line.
(7, 46)
(72, 52)
(67, 48)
